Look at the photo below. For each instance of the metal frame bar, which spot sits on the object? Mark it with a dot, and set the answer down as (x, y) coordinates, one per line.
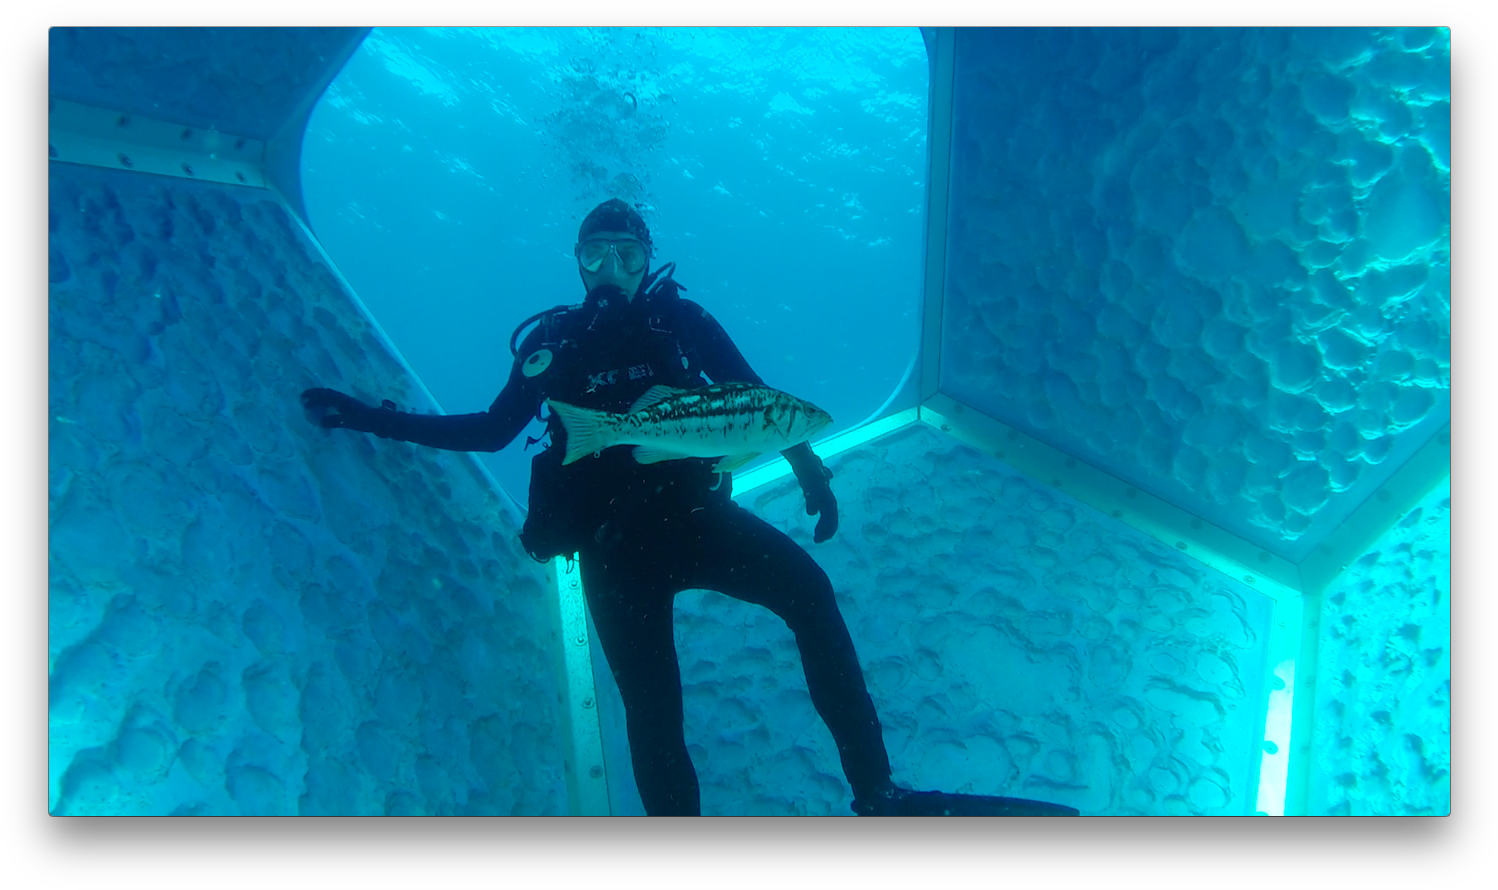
(583, 761)
(938, 186)
(100, 137)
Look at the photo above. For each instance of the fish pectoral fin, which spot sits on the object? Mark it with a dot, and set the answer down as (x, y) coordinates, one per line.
(652, 395)
(652, 454)
(733, 462)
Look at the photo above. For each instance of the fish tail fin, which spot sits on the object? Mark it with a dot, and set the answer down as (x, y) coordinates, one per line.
(587, 430)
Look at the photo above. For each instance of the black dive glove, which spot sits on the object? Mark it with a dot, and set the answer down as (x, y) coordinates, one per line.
(351, 414)
(816, 482)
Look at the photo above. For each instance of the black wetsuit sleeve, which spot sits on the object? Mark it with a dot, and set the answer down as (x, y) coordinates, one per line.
(491, 430)
(720, 359)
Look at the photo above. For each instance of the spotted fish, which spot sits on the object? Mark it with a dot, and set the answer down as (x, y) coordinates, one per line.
(734, 421)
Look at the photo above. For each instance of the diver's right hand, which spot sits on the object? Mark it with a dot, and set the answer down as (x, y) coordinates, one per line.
(351, 413)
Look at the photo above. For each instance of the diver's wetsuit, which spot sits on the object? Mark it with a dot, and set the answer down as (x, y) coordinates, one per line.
(646, 532)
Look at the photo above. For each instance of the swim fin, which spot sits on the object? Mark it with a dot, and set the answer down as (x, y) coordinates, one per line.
(896, 801)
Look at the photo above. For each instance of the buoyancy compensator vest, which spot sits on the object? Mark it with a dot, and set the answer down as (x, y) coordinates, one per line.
(606, 354)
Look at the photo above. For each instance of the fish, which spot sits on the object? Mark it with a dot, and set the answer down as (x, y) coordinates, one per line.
(733, 421)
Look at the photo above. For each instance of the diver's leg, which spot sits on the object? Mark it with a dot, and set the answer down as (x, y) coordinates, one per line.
(743, 556)
(629, 598)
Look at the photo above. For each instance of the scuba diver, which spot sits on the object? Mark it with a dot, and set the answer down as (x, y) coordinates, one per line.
(645, 529)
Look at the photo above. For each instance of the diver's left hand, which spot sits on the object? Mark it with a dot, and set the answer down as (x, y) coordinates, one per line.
(819, 499)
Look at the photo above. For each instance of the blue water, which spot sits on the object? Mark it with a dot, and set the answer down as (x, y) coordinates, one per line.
(782, 170)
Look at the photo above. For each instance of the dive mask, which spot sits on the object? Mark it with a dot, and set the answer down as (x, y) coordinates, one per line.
(631, 254)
